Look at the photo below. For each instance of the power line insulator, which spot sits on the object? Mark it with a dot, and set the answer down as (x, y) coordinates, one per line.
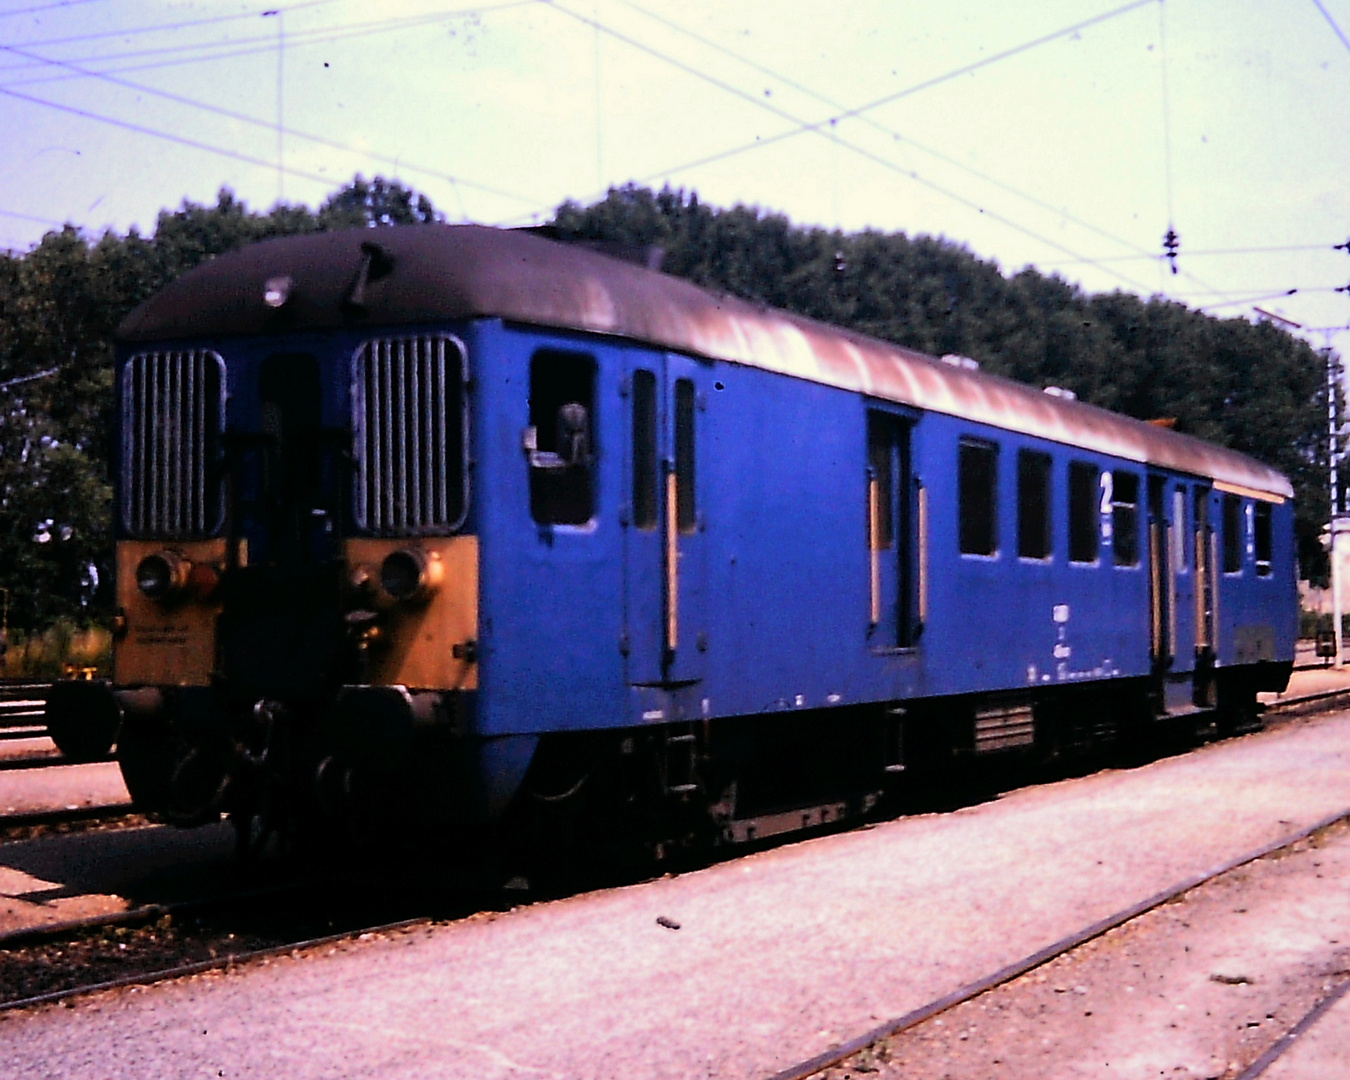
(1171, 245)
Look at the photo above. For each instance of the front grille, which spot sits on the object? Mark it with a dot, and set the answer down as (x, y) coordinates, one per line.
(411, 432)
(173, 412)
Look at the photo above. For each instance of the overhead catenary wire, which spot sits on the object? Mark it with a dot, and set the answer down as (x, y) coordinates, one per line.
(1332, 22)
(1171, 241)
(181, 140)
(30, 217)
(47, 7)
(1193, 254)
(946, 159)
(160, 28)
(876, 125)
(199, 52)
(823, 128)
(802, 127)
(232, 114)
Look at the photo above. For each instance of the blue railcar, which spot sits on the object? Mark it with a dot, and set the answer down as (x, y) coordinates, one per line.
(451, 519)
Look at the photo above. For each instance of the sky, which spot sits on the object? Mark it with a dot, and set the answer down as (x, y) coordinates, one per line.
(1069, 135)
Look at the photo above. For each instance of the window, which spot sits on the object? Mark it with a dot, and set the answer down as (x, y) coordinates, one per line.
(1082, 512)
(560, 439)
(1232, 534)
(1200, 555)
(644, 450)
(1125, 517)
(686, 508)
(977, 485)
(1264, 538)
(1179, 531)
(880, 440)
(1033, 505)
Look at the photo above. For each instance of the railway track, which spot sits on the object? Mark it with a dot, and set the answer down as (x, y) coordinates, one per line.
(1289, 1039)
(161, 941)
(223, 907)
(820, 1063)
(225, 948)
(66, 815)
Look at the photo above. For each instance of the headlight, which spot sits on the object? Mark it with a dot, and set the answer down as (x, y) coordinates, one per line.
(409, 574)
(163, 575)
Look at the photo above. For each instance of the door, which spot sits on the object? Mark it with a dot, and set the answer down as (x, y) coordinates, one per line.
(281, 632)
(665, 548)
(895, 506)
(1162, 579)
(1204, 560)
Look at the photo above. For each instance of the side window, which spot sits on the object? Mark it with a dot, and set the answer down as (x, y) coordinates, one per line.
(1033, 505)
(881, 513)
(977, 485)
(1199, 554)
(559, 441)
(1263, 538)
(686, 505)
(1179, 531)
(644, 450)
(1232, 534)
(1125, 518)
(1082, 512)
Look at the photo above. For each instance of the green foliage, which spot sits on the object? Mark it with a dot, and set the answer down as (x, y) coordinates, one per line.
(59, 306)
(1254, 388)
(376, 202)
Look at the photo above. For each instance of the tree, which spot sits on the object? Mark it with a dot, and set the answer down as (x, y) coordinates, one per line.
(377, 202)
(60, 304)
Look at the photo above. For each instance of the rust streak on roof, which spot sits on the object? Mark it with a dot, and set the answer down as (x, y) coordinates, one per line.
(444, 272)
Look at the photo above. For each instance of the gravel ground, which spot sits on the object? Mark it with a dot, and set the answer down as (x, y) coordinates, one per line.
(777, 956)
(98, 871)
(55, 787)
(1198, 988)
(19, 753)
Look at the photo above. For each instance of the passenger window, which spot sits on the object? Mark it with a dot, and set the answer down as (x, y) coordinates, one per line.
(1199, 555)
(644, 450)
(686, 506)
(978, 496)
(1125, 518)
(880, 440)
(1263, 539)
(1179, 532)
(1232, 534)
(1082, 512)
(560, 439)
(1033, 505)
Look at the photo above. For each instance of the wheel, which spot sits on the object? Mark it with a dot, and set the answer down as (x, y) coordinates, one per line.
(82, 719)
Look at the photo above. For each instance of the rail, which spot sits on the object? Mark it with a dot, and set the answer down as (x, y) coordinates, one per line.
(819, 1063)
(23, 709)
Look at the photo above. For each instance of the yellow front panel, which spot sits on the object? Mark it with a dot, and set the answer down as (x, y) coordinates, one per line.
(165, 644)
(419, 640)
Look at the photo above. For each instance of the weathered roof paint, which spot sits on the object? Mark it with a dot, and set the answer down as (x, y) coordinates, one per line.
(444, 272)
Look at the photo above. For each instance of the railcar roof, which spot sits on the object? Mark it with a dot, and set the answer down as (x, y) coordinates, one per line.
(435, 273)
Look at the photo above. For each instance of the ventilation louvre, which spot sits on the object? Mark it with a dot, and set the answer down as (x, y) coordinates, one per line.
(410, 435)
(172, 417)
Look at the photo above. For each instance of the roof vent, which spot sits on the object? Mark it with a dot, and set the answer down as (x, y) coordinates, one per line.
(961, 362)
(1060, 392)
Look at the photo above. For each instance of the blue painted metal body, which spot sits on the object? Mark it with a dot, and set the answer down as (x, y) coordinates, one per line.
(774, 581)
